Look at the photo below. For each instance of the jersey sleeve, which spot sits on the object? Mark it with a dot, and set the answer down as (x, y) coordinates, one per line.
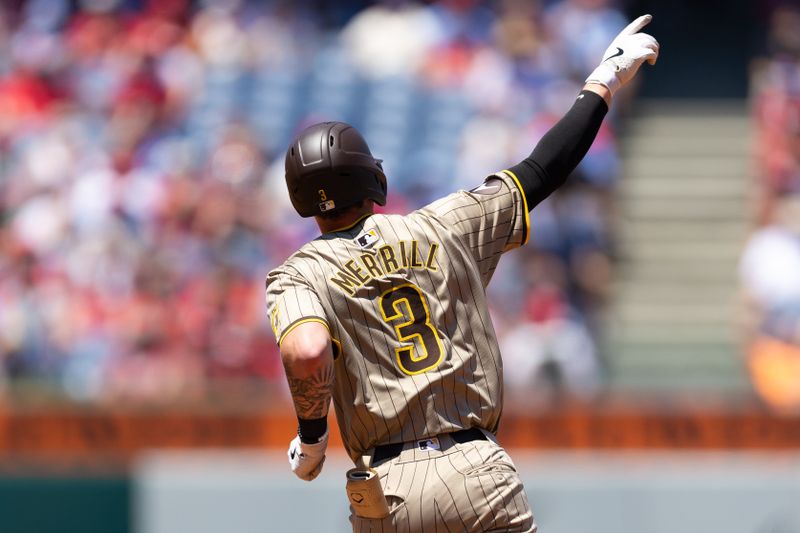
(291, 301)
(490, 219)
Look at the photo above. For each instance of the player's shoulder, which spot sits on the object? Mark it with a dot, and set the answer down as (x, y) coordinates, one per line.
(493, 185)
(326, 248)
(296, 265)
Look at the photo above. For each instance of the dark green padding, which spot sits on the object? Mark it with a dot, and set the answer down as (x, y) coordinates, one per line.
(64, 505)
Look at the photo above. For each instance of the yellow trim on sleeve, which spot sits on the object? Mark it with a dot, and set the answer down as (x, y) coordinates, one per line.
(303, 321)
(338, 345)
(527, 229)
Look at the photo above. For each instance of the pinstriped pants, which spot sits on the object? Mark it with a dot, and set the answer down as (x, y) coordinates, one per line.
(469, 487)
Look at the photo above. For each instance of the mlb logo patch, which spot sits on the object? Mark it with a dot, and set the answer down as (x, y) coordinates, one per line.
(327, 206)
(429, 444)
(367, 239)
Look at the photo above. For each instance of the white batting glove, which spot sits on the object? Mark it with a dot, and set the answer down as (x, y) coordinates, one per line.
(306, 459)
(626, 54)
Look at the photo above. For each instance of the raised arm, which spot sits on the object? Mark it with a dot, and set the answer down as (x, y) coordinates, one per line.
(565, 144)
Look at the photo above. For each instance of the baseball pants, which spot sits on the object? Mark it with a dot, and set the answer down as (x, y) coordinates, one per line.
(438, 485)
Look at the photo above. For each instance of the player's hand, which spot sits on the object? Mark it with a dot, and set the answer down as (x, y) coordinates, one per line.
(626, 54)
(306, 459)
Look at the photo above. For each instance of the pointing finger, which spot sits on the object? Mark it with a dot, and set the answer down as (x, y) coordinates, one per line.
(637, 25)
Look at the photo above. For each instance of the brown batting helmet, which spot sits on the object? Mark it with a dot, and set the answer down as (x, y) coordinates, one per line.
(330, 167)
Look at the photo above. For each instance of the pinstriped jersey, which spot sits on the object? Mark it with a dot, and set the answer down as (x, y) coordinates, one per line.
(404, 300)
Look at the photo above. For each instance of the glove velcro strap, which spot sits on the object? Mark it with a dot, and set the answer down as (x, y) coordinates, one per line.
(315, 449)
(606, 75)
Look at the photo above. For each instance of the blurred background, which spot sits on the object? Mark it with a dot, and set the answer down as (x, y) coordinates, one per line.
(650, 330)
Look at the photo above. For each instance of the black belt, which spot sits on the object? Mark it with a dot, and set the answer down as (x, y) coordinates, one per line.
(384, 452)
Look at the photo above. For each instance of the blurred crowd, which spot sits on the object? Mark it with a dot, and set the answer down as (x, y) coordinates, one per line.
(770, 265)
(142, 199)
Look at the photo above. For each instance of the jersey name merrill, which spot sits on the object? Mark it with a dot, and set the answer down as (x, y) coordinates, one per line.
(383, 261)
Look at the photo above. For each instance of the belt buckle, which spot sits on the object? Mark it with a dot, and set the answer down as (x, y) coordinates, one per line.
(431, 443)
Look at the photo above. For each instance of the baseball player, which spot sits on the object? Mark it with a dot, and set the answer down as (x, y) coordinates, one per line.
(387, 315)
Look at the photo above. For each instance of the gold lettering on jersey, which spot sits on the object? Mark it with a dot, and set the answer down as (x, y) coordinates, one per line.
(415, 262)
(371, 265)
(356, 271)
(346, 282)
(388, 259)
(403, 256)
(432, 257)
(379, 264)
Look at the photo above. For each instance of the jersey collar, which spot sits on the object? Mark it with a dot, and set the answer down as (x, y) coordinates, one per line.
(351, 226)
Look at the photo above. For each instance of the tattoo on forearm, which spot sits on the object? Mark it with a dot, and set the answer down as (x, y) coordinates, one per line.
(311, 394)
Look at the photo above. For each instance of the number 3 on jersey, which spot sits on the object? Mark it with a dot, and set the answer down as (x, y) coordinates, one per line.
(406, 309)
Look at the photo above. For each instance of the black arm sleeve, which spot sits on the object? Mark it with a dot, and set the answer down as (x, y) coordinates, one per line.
(561, 148)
